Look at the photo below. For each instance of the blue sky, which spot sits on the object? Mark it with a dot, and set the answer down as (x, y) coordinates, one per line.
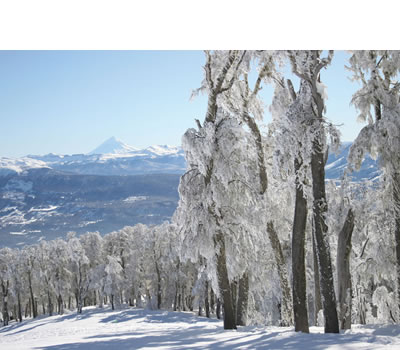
(69, 102)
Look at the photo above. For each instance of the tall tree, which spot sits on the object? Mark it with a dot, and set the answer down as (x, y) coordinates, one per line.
(307, 66)
(377, 71)
(290, 112)
(209, 162)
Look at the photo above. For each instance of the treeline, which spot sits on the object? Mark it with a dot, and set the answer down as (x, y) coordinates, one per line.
(138, 266)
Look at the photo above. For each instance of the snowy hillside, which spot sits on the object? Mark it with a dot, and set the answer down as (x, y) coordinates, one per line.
(145, 329)
(44, 204)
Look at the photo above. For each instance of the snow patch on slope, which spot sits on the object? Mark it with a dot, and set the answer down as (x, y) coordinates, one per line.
(19, 165)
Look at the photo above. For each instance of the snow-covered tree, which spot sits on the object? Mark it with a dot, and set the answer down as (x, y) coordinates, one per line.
(5, 282)
(377, 72)
(79, 266)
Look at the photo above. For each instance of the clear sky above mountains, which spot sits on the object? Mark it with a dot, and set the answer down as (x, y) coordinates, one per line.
(69, 102)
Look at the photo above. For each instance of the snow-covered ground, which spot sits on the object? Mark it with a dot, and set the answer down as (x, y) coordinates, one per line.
(146, 329)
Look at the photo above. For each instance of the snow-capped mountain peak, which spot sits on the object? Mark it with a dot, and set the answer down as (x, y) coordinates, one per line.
(114, 146)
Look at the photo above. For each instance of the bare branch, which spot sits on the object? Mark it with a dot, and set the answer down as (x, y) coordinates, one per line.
(198, 124)
(291, 89)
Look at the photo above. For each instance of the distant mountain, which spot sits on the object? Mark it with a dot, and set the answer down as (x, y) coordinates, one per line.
(114, 146)
(112, 157)
(337, 164)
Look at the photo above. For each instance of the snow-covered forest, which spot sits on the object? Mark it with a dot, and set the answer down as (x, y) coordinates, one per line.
(259, 236)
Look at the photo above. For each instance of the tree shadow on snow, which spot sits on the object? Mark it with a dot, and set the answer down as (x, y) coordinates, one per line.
(199, 337)
(153, 316)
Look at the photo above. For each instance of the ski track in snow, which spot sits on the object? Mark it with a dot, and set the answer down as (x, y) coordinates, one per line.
(145, 329)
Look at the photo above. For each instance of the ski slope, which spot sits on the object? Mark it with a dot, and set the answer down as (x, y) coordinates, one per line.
(98, 329)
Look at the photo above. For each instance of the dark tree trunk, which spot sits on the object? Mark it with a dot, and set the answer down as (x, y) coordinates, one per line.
(176, 296)
(49, 303)
(79, 301)
(287, 318)
(397, 238)
(396, 200)
(223, 283)
(317, 289)
(34, 307)
(180, 302)
(19, 307)
(298, 258)
(206, 302)
(60, 305)
(343, 271)
(243, 300)
(320, 209)
(4, 289)
(218, 310)
(112, 302)
(234, 287)
(183, 299)
(28, 309)
(212, 300)
(158, 284)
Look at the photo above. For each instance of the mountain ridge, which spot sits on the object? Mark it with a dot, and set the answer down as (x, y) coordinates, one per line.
(112, 157)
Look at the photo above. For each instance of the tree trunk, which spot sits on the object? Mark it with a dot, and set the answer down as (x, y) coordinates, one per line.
(287, 315)
(79, 302)
(321, 238)
(343, 271)
(176, 296)
(60, 305)
(112, 302)
(206, 302)
(34, 307)
(6, 316)
(218, 310)
(317, 289)
(158, 284)
(212, 300)
(396, 200)
(234, 288)
(28, 309)
(49, 303)
(243, 300)
(298, 258)
(223, 283)
(19, 307)
(183, 300)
